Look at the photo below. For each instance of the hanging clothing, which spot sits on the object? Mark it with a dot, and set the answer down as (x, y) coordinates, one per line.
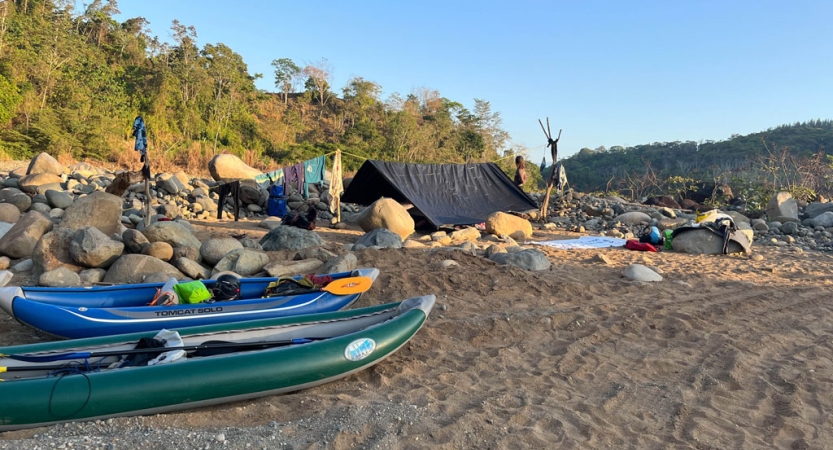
(265, 180)
(224, 190)
(293, 174)
(139, 132)
(313, 172)
(336, 186)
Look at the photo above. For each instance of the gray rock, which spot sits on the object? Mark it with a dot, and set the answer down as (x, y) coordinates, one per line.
(132, 268)
(20, 200)
(192, 269)
(92, 276)
(169, 183)
(4, 228)
(45, 163)
(9, 213)
(20, 240)
(530, 259)
(782, 204)
(52, 251)
(287, 268)
(633, 218)
(789, 227)
(290, 238)
(824, 219)
(380, 237)
(343, 263)
(186, 252)
(38, 183)
(174, 233)
(242, 261)
(638, 272)
(159, 250)
(250, 244)
(24, 266)
(92, 248)
(99, 209)
(56, 214)
(41, 208)
(134, 240)
(214, 249)
(58, 199)
(60, 277)
(814, 209)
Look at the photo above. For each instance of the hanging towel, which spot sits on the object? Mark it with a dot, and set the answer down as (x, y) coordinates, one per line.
(139, 132)
(336, 186)
(293, 174)
(313, 172)
(265, 180)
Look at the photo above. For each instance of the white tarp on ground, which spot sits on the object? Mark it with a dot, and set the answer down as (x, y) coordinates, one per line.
(584, 242)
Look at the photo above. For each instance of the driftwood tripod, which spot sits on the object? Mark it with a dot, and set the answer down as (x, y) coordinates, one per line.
(553, 145)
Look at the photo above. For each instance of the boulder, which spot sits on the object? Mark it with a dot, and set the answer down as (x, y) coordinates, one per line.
(387, 213)
(159, 250)
(131, 268)
(45, 163)
(633, 218)
(824, 219)
(343, 263)
(21, 201)
(380, 237)
(244, 262)
(782, 205)
(60, 277)
(638, 272)
(290, 238)
(58, 199)
(289, 268)
(174, 233)
(34, 184)
(503, 224)
(20, 240)
(226, 167)
(214, 249)
(9, 213)
(814, 209)
(91, 276)
(169, 182)
(53, 251)
(531, 259)
(192, 269)
(99, 209)
(92, 248)
(134, 240)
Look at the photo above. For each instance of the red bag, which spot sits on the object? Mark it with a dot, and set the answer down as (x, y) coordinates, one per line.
(634, 244)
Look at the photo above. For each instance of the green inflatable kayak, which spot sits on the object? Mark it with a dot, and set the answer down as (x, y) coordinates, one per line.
(141, 373)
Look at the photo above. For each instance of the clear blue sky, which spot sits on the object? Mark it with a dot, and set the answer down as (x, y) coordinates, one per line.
(606, 72)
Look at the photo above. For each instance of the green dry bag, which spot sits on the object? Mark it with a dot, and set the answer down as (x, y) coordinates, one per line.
(192, 292)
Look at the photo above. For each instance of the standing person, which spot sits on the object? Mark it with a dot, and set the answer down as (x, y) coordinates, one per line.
(520, 174)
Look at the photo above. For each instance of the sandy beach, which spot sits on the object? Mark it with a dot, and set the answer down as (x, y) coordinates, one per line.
(725, 352)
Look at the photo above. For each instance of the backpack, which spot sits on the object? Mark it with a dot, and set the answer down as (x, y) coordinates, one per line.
(227, 287)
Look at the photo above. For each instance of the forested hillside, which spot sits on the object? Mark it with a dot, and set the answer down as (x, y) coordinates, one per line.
(788, 157)
(72, 81)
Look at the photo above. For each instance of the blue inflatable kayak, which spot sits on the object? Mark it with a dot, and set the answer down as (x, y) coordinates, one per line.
(80, 321)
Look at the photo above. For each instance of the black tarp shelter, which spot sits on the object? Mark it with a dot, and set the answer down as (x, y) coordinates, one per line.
(445, 194)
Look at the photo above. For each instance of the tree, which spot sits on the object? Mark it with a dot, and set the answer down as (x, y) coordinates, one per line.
(286, 75)
(318, 80)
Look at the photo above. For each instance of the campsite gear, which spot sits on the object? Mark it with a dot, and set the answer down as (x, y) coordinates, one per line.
(276, 205)
(226, 288)
(140, 294)
(725, 228)
(87, 389)
(652, 236)
(442, 194)
(633, 244)
(166, 295)
(301, 220)
(668, 237)
(194, 291)
(79, 322)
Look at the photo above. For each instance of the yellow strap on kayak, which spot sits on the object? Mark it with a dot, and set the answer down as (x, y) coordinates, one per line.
(2, 369)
